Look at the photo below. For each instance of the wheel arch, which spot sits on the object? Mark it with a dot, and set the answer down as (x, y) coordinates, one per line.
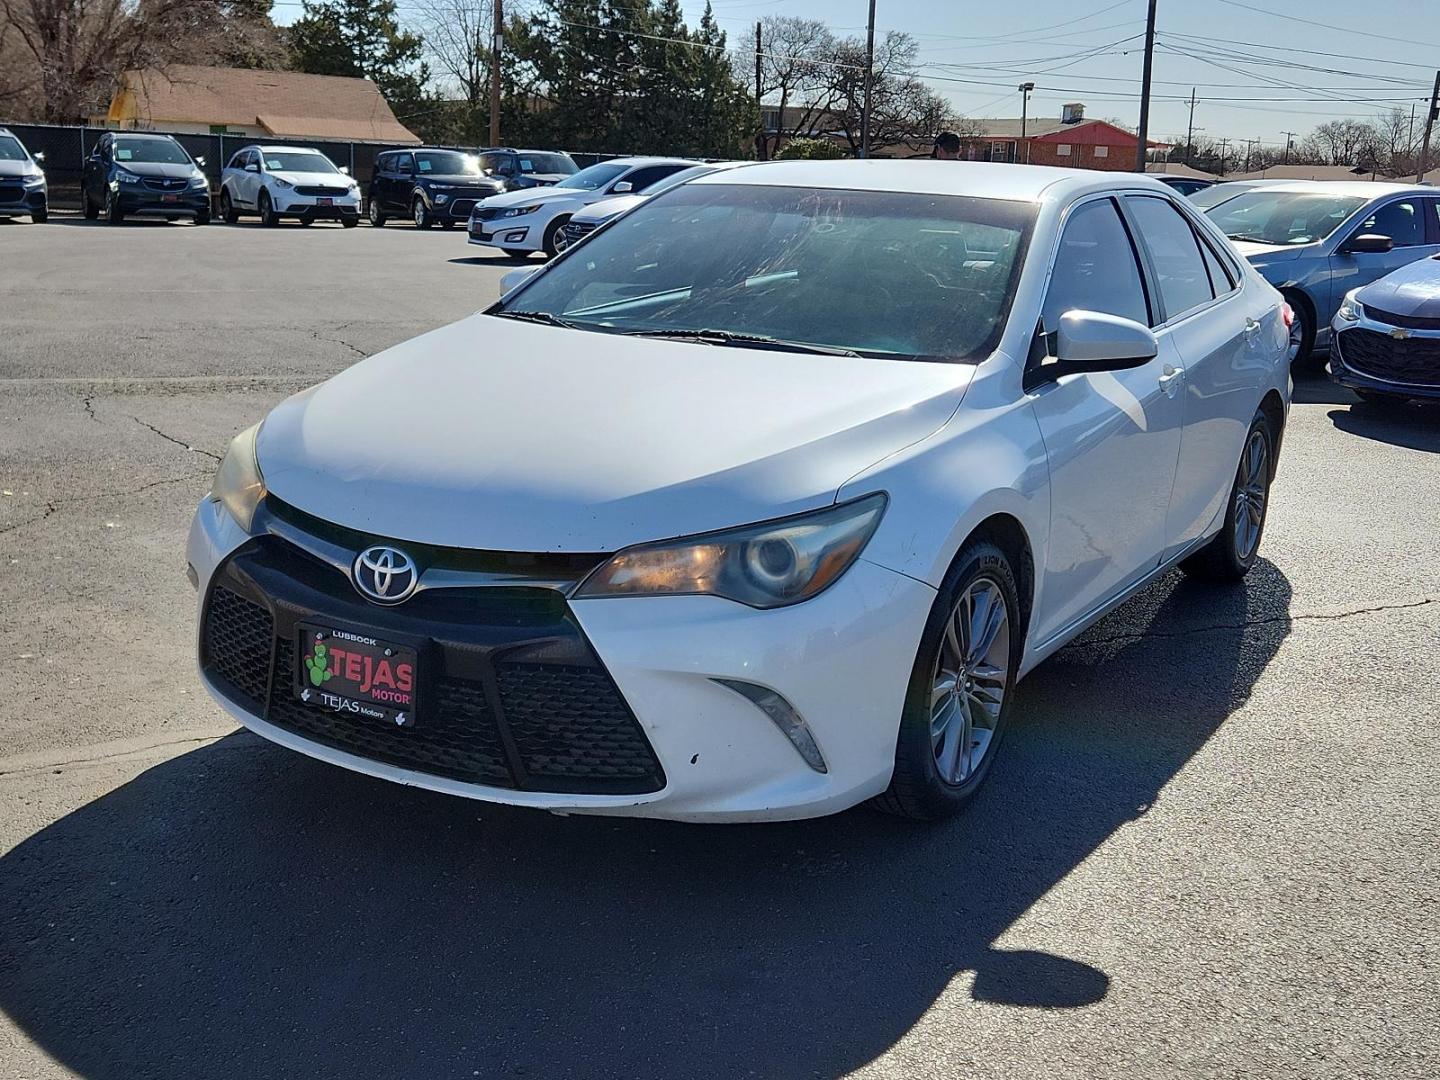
(1273, 408)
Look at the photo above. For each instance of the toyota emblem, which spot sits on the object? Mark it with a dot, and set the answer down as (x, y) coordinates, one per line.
(385, 575)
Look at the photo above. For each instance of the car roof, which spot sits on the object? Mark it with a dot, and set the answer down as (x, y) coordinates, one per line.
(631, 162)
(282, 149)
(978, 179)
(1365, 189)
(144, 135)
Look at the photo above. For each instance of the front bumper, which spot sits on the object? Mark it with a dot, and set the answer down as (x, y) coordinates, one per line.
(1384, 359)
(18, 199)
(500, 234)
(842, 660)
(155, 202)
(310, 206)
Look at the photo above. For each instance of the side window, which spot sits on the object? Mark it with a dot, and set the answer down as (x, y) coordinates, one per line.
(641, 179)
(405, 164)
(492, 163)
(1095, 268)
(1175, 253)
(1402, 221)
(1432, 220)
(238, 161)
(1222, 280)
(384, 163)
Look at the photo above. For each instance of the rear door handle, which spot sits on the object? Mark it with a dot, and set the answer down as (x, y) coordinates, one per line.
(1171, 380)
(1252, 327)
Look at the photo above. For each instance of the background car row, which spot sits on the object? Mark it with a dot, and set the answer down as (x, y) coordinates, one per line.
(22, 181)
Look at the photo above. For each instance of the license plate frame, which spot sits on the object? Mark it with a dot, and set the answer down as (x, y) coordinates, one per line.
(358, 674)
(169, 198)
(323, 201)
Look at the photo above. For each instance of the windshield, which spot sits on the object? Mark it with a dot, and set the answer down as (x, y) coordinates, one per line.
(675, 179)
(446, 163)
(11, 150)
(888, 274)
(546, 163)
(1283, 217)
(293, 161)
(593, 178)
(1216, 194)
(150, 152)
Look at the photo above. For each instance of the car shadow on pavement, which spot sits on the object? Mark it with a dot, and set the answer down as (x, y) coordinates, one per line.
(1415, 425)
(242, 911)
(1315, 387)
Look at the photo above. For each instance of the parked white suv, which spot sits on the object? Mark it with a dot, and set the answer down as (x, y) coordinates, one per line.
(521, 223)
(758, 503)
(287, 181)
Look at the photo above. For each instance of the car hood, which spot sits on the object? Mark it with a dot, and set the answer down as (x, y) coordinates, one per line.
(152, 168)
(17, 168)
(320, 178)
(1268, 253)
(1411, 290)
(547, 177)
(461, 180)
(501, 435)
(605, 209)
(528, 196)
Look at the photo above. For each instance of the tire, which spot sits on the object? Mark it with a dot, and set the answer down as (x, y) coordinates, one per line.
(552, 234)
(88, 208)
(307, 220)
(448, 223)
(1302, 333)
(924, 787)
(202, 217)
(268, 217)
(349, 221)
(421, 213)
(227, 207)
(516, 253)
(39, 217)
(377, 216)
(1230, 555)
(113, 214)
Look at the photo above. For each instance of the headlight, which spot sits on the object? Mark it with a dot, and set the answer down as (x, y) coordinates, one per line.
(127, 178)
(281, 183)
(238, 485)
(199, 182)
(441, 199)
(516, 211)
(38, 180)
(765, 566)
(1351, 310)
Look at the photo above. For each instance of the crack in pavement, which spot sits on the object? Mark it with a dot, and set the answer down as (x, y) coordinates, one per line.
(1318, 616)
(177, 442)
(55, 505)
(339, 341)
(89, 404)
(123, 751)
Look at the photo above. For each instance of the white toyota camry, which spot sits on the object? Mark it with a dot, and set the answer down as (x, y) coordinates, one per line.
(757, 504)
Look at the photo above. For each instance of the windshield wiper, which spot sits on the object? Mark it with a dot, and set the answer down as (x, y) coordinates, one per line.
(1246, 239)
(543, 317)
(743, 341)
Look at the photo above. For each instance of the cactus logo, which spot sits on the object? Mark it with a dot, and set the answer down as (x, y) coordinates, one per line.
(317, 665)
(385, 575)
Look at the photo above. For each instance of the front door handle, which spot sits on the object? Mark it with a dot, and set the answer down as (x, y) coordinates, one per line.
(1171, 380)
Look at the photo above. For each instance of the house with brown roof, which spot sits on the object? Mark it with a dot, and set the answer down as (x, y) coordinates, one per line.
(247, 102)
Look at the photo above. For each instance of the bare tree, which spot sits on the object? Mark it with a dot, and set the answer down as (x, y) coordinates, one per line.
(902, 108)
(795, 58)
(457, 37)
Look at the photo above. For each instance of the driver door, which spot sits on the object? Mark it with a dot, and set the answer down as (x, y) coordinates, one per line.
(1112, 439)
(1410, 223)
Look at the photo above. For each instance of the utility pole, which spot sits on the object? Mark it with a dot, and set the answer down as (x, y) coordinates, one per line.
(759, 82)
(1250, 145)
(1289, 142)
(1224, 154)
(1190, 132)
(1144, 132)
(1025, 88)
(498, 43)
(869, 83)
(1429, 127)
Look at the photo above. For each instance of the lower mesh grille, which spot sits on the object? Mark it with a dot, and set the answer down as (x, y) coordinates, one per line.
(1415, 360)
(559, 727)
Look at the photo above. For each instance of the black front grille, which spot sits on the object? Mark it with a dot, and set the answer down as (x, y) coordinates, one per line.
(576, 230)
(1410, 322)
(165, 183)
(511, 694)
(486, 213)
(461, 207)
(1414, 361)
(316, 190)
(11, 193)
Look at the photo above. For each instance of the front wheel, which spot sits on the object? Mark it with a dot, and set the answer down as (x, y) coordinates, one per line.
(88, 207)
(227, 208)
(202, 217)
(268, 217)
(113, 213)
(1302, 333)
(377, 217)
(423, 219)
(960, 689)
(551, 242)
(39, 217)
(516, 253)
(1236, 547)
(349, 221)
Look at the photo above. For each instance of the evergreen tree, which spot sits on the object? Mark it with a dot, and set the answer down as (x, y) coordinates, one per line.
(362, 38)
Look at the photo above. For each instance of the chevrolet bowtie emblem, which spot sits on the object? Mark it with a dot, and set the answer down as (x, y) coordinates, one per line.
(1400, 335)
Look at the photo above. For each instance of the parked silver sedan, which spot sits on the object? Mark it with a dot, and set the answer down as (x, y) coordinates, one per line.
(1315, 242)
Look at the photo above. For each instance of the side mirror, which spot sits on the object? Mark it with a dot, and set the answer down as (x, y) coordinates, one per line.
(252, 167)
(345, 169)
(1368, 244)
(624, 187)
(200, 161)
(39, 155)
(1091, 341)
(515, 278)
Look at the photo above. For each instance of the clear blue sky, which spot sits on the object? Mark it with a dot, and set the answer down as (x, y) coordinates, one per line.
(976, 53)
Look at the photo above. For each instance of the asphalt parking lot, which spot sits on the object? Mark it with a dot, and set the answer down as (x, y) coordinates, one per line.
(1209, 847)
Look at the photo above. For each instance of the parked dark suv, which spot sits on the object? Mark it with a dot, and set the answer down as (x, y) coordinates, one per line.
(22, 183)
(427, 184)
(518, 169)
(131, 172)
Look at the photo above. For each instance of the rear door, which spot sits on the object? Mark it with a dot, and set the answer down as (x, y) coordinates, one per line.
(1111, 438)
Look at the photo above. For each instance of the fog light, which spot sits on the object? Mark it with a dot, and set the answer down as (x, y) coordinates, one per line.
(515, 237)
(791, 724)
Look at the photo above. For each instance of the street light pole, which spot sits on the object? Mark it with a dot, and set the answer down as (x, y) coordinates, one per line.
(497, 43)
(1430, 116)
(869, 82)
(1025, 88)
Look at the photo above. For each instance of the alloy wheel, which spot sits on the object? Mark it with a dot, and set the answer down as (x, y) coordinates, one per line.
(1297, 337)
(1251, 493)
(968, 689)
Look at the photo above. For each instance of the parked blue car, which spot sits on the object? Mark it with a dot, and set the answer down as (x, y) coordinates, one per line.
(1387, 335)
(1315, 242)
(131, 172)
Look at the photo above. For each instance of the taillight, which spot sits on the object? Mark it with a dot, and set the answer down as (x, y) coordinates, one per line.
(1287, 315)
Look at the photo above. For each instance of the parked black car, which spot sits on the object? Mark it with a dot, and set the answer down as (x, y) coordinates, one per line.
(131, 172)
(427, 184)
(518, 169)
(22, 183)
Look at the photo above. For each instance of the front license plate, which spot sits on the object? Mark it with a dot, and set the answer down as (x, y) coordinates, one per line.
(356, 674)
(169, 198)
(324, 202)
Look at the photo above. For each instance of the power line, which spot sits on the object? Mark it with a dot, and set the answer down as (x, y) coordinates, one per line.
(1328, 26)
